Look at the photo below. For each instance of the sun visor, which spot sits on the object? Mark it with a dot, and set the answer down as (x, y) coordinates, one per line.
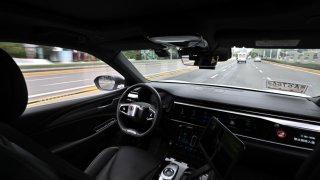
(258, 39)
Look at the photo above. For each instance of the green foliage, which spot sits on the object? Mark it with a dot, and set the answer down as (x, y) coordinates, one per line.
(14, 49)
(148, 54)
(133, 54)
(255, 52)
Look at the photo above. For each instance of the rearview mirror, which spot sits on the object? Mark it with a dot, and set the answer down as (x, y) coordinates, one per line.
(162, 52)
(222, 54)
(204, 62)
(109, 83)
(204, 59)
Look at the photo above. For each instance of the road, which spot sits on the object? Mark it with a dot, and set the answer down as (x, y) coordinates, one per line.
(251, 75)
(46, 84)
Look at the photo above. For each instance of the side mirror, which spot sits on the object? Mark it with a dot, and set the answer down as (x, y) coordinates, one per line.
(109, 83)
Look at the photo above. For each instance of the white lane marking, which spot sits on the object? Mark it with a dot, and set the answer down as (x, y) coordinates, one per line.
(66, 82)
(269, 78)
(223, 70)
(214, 76)
(41, 79)
(64, 90)
(260, 71)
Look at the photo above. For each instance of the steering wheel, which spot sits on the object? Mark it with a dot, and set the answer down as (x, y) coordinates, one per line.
(138, 118)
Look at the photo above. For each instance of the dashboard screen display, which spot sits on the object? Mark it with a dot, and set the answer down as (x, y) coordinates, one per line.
(221, 147)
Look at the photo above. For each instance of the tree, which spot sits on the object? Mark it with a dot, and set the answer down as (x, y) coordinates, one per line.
(14, 49)
(255, 52)
(133, 54)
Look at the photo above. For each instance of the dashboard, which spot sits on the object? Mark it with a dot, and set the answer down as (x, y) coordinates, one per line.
(264, 118)
(278, 130)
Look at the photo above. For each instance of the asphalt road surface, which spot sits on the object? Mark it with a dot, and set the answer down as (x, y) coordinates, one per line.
(250, 75)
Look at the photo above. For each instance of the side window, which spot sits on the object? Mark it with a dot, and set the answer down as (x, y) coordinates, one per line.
(55, 74)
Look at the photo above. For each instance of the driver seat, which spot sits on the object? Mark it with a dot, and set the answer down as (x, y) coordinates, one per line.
(122, 163)
(21, 158)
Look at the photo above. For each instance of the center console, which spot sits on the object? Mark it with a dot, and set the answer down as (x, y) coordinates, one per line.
(176, 170)
(184, 143)
(173, 170)
(199, 144)
(184, 153)
(184, 131)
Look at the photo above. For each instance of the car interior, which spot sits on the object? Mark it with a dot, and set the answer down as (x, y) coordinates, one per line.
(151, 129)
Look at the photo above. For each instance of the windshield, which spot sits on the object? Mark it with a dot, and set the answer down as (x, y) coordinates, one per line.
(283, 71)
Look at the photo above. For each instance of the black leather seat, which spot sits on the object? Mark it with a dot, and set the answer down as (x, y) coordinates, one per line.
(21, 158)
(123, 163)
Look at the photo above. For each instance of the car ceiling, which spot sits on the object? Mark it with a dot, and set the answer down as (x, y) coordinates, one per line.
(125, 24)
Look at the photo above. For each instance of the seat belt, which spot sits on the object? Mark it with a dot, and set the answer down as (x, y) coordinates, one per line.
(58, 164)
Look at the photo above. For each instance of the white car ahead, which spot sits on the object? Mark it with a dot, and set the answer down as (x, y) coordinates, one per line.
(257, 59)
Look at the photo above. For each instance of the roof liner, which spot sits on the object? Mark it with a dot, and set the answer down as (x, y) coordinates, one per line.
(126, 24)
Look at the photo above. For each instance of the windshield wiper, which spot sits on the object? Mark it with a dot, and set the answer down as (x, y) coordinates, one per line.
(315, 99)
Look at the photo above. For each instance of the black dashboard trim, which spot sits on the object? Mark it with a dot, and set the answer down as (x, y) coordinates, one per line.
(186, 123)
(295, 124)
(271, 142)
(256, 102)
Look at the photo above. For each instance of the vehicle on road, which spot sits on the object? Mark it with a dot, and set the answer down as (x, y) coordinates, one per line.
(257, 59)
(242, 58)
(92, 113)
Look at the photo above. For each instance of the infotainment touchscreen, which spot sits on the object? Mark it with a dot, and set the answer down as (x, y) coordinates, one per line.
(221, 148)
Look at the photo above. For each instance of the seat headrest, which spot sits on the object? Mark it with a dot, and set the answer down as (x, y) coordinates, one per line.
(15, 93)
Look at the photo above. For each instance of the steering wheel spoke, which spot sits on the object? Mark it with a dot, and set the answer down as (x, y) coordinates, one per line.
(123, 108)
(151, 114)
(132, 132)
(135, 114)
(129, 109)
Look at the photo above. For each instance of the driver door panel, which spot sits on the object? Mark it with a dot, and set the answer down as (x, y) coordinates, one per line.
(75, 130)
